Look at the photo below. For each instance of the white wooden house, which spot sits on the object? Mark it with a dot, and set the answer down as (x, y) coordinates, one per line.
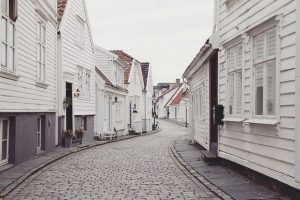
(133, 79)
(161, 102)
(76, 68)
(257, 86)
(202, 77)
(27, 79)
(147, 97)
(178, 105)
(111, 101)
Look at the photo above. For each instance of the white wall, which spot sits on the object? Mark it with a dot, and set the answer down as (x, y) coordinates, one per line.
(23, 95)
(73, 56)
(265, 148)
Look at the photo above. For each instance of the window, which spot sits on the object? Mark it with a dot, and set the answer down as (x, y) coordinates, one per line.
(9, 15)
(84, 82)
(39, 133)
(41, 52)
(84, 123)
(4, 140)
(264, 59)
(234, 69)
(80, 32)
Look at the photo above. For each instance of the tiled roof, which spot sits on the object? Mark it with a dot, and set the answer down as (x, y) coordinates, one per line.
(145, 71)
(177, 89)
(61, 6)
(178, 98)
(166, 92)
(126, 59)
(108, 82)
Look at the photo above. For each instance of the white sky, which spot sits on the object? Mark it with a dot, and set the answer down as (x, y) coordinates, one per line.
(166, 33)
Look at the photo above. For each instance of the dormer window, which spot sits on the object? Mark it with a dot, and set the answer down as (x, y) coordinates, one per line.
(80, 24)
(7, 27)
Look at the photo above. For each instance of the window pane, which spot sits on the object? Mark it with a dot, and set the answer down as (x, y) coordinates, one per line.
(11, 34)
(271, 87)
(259, 90)
(43, 55)
(4, 30)
(239, 56)
(238, 93)
(39, 31)
(39, 53)
(5, 130)
(271, 42)
(231, 92)
(259, 47)
(231, 58)
(39, 124)
(4, 4)
(4, 150)
(3, 56)
(44, 34)
(10, 59)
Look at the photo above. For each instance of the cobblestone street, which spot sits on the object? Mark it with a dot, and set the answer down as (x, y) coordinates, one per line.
(139, 168)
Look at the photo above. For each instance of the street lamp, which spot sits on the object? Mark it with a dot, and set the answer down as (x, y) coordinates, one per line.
(154, 113)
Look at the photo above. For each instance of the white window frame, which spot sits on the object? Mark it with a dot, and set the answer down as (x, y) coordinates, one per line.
(234, 71)
(39, 133)
(80, 30)
(259, 30)
(5, 161)
(5, 70)
(41, 44)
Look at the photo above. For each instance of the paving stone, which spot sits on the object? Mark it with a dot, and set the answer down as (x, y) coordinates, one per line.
(139, 168)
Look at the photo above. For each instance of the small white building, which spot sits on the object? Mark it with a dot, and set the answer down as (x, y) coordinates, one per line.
(76, 68)
(111, 99)
(134, 83)
(147, 97)
(178, 106)
(28, 90)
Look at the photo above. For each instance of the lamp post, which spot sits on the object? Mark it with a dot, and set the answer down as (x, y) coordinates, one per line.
(154, 113)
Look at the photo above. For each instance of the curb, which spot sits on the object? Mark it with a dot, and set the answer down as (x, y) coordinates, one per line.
(33, 171)
(214, 189)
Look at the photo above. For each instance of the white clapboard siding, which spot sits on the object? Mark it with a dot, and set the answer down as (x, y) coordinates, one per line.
(264, 148)
(73, 56)
(23, 95)
(201, 125)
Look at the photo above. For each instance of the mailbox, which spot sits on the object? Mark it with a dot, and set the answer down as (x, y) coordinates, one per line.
(218, 114)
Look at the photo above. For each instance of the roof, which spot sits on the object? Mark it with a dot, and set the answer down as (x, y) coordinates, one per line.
(166, 92)
(61, 6)
(178, 98)
(145, 71)
(128, 60)
(177, 89)
(108, 82)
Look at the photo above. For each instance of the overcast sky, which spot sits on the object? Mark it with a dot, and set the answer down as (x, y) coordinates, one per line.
(166, 33)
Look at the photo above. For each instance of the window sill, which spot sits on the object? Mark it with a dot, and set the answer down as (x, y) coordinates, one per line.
(271, 122)
(9, 75)
(233, 119)
(41, 85)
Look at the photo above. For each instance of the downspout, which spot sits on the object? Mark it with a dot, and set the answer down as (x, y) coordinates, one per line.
(297, 119)
(145, 109)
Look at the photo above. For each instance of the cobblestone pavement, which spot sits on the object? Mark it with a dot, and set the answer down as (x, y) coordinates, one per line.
(139, 168)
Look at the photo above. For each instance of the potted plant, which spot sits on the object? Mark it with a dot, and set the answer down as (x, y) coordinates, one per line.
(68, 135)
(79, 134)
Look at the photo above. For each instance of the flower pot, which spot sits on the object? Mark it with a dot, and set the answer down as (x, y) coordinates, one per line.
(80, 139)
(68, 142)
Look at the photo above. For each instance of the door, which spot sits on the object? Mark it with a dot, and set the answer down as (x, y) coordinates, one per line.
(109, 113)
(213, 102)
(4, 140)
(39, 134)
(69, 109)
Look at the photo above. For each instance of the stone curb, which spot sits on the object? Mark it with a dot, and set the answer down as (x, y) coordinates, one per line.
(33, 171)
(214, 189)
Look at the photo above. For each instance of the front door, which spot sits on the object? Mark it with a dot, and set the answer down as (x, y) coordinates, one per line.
(4, 140)
(213, 102)
(69, 109)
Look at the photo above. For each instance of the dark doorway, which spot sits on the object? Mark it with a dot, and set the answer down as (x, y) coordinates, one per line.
(69, 109)
(130, 115)
(213, 101)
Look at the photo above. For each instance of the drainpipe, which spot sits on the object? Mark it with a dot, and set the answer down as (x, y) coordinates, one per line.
(145, 109)
(297, 131)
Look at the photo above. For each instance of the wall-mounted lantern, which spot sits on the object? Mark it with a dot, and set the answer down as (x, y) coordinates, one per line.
(134, 109)
(115, 100)
(77, 93)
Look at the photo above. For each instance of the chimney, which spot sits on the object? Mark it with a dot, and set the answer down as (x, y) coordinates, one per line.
(177, 82)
